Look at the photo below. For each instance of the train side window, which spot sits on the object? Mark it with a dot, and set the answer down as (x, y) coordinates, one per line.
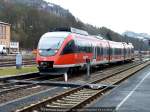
(115, 51)
(70, 48)
(79, 46)
(105, 51)
(118, 51)
(88, 49)
(101, 53)
(98, 51)
(125, 51)
(132, 51)
(110, 50)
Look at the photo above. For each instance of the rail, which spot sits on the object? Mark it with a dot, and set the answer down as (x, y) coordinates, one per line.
(79, 97)
(12, 62)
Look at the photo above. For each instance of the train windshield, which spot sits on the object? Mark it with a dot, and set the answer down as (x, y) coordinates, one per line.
(50, 44)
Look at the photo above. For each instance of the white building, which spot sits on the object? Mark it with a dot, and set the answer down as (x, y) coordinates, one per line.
(14, 47)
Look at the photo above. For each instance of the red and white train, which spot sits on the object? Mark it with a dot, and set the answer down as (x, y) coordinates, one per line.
(71, 48)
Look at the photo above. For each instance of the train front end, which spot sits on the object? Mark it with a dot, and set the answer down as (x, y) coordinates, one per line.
(49, 48)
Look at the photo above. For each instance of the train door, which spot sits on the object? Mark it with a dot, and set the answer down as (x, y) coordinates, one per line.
(101, 52)
(109, 52)
(94, 54)
(124, 51)
(79, 54)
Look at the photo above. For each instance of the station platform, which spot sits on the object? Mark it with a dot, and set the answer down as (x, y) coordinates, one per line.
(133, 95)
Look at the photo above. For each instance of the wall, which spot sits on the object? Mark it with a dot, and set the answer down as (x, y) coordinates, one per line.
(5, 34)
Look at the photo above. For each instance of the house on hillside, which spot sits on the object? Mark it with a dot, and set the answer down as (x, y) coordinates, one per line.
(5, 38)
(5, 35)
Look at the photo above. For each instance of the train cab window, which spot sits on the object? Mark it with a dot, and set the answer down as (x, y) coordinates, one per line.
(70, 48)
(49, 46)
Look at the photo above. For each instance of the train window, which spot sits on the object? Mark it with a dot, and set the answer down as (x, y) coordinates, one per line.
(132, 51)
(101, 53)
(78, 44)
(98, 51)
(115, 51)
(119, 51)
(88, 48)
(110, 51)
(94, 52)
(70, 48)
(49, 46)
(129, 51)
(50, 42)
(125, 51)
(105, 51)
(83, 46)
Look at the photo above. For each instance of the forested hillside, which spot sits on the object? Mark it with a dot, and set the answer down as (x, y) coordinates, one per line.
(29, 19)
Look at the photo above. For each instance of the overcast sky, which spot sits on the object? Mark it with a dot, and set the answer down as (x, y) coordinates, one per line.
(118, 15)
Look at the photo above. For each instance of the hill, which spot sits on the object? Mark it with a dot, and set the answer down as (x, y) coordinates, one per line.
(29, 19)
(139, 40)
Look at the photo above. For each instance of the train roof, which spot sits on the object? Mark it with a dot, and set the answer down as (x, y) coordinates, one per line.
(70, 29)
(65, 31)
(56, 34)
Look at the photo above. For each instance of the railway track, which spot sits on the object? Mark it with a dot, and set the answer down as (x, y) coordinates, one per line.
(12, 62)
(11, 90)
(77, 98)
(7, 84)
(11, 85)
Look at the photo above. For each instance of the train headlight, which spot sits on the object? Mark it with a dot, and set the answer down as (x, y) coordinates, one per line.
(40, 51)
(41, 63)
(55, 51)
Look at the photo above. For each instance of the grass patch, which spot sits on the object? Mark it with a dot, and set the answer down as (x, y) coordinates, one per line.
(14, 71)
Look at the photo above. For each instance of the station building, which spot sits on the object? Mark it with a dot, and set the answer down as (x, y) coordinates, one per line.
(5, 38)
(5, 34)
